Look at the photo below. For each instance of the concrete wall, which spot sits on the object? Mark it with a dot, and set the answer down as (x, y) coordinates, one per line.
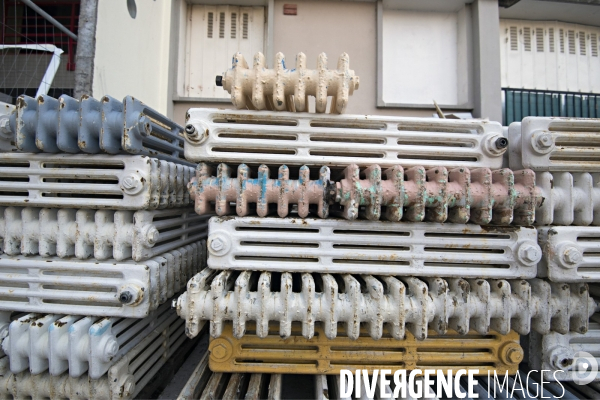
(132, 55)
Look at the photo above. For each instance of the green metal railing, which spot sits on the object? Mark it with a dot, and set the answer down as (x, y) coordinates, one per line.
(521, 103)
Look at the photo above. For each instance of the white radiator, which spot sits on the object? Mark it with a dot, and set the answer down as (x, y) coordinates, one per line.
(254, 138)
(558, 355)
(124, 380)
(372, 247)
(401, 302)
(555, 144)
(56, 343)
(571, 254)
(92, 181)
(99, 234)
(97, 288)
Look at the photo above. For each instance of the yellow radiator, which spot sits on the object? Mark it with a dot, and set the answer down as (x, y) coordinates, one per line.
(319, 355)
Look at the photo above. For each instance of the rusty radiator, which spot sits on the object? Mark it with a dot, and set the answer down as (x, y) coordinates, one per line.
(414, 304)
(320, 355)
(437, 194)
(255, 138)
(434, 194)
(92, 181)
(222, 189)
(285, 89)
(371, 247)
(90, 126)
(99, 234)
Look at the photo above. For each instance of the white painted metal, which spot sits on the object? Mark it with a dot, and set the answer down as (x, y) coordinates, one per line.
(124, 380)
(555, 144)
(571, 254)
(254, 138)
(213, 34)
(90, 287)
(555, 354)
(371, 247)
(92, 181)
(53, 65)
(75, 343)
(99, 234)
(569, 198)
(400, 302)
(549, 56)
(5, 319)
(7, 141)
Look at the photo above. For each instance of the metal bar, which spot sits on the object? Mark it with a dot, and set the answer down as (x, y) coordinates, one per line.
(49, 18)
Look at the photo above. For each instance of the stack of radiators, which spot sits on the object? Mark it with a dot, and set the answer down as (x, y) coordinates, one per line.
(381, 241)
(565, 154)
(97, 234)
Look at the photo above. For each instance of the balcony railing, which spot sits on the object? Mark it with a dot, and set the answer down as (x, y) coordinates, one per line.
(520, 103)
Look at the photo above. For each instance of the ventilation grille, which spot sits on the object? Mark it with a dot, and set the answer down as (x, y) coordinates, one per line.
(571, 35)
(256, 138)
(539, 40)
(514, 38)
(582, 47)
(527, 38)
(35, 284)
(562, 40)
(320, 355)
(594, 44)
(368, 247)
(233, 25)
(245, 26)
(92, 181)
(210, 25)
(101, 234)
(551, 39)
(221, 25)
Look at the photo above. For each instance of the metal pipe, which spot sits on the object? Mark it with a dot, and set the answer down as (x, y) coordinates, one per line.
(47, 16)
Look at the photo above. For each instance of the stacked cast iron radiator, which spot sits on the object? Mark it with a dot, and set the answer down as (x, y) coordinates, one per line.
(309, 242)
(97, 234)
(338, 237)
(564, 153)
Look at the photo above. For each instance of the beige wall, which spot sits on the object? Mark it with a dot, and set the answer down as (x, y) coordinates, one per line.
(330, 27)
(132, 55)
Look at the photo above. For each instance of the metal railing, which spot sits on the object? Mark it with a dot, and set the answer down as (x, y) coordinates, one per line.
(520, 103)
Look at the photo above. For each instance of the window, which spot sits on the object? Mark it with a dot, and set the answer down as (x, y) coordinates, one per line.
(214, 35)
(414, 44)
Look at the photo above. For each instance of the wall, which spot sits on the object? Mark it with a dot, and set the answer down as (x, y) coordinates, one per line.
(132, 55)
